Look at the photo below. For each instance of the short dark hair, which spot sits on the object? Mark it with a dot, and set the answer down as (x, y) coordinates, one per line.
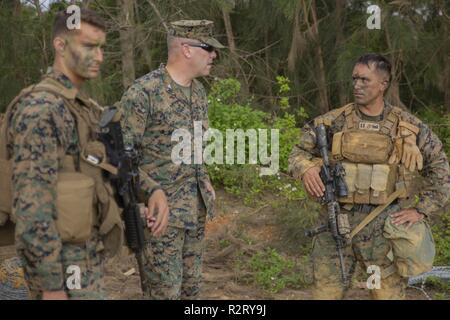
(86, 15)
(379, 61)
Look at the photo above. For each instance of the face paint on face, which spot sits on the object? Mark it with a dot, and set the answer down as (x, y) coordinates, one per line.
(368, 84)
(84, 52)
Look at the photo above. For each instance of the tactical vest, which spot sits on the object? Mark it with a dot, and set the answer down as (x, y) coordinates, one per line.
(364, 148)
(84, 199)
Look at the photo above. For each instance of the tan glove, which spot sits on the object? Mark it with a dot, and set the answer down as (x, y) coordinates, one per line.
(405, 148)
(412, 158)
(396, 155)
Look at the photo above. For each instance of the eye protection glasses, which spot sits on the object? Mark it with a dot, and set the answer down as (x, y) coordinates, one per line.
(204, 46)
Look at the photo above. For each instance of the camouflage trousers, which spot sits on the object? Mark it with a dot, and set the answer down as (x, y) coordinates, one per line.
(84, 260)
(173, 262)
(368, 248)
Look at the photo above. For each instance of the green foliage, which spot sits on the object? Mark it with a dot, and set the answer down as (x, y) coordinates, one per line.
(284, 88)
(223, 243)
(441, 287)
(262, 48)
(441, 235)
(244, 179)
(273, 272)
(439, 296)
(225, 91)
(296, 217)
(438, 284)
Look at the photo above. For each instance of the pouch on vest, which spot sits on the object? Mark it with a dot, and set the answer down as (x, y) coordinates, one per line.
(111, 227)
(413, 248)
(109, 214)
(351, 171)
(336, 146)
(362, 146)
(383, 183)
(363, 181)
(75, 206)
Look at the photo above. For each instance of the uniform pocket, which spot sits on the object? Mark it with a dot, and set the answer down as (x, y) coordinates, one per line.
(366, 147)
(363, 181)
(382, 184)
(351, 171)
(336, 147)
(75, 206)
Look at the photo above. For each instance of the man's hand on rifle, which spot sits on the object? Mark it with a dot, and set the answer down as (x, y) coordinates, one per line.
(158, 203)
(313, 183)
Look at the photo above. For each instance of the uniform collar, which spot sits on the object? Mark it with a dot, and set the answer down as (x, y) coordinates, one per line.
(169, 84)
(386, 110)
(60, 77)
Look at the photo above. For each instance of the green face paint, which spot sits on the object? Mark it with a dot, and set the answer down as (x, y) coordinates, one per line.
(84, 53)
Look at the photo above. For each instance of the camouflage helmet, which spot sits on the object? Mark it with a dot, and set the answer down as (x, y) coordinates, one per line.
(201, 30)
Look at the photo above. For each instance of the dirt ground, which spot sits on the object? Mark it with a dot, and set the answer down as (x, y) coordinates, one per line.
(220, 279)
(236, 228)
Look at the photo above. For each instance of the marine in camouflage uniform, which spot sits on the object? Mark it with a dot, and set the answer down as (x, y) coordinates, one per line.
(42, 132)
(369, 246)
(154, 106)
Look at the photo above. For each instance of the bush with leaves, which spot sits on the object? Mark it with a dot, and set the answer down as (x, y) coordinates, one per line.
(273, 272)
(226, 113)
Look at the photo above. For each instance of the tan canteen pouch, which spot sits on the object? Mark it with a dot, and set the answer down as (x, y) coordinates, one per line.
(413, 248)
(361, 147)
(75, 206)
(75, 203)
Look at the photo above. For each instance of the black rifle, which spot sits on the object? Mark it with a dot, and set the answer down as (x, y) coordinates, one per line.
(332, 178)
(126, 183)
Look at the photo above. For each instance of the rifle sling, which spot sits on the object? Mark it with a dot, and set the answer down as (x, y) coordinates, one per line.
(375, 212)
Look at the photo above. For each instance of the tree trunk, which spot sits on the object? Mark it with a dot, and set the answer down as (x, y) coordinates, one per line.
(229, 31)
(86, 3)
(155, 8)
(340, 6)
(143, 42)
(17, 9)
(446, 72)
(44, 46)
(235, 67)
(38, 7)
(126, 20)
(267, 63)
(321, 76)
(446, 85)
(393, 94)
(297, 42)
(16, 46)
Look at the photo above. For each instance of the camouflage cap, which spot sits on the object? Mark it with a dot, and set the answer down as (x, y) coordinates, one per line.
(201, 30)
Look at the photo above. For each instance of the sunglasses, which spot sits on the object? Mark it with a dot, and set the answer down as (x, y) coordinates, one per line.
(204, 46)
